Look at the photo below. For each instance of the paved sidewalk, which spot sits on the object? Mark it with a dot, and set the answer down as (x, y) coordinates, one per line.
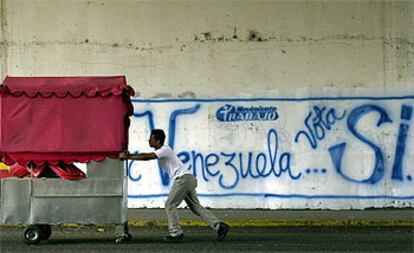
(265, 218)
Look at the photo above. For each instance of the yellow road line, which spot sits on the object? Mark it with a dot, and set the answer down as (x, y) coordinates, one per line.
(283, 223)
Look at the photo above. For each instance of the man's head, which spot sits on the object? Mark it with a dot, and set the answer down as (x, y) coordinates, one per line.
(157, 138)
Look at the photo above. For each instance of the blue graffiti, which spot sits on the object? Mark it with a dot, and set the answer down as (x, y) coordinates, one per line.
(231, 167)
(171, 134)
(165, 180)
(173, 122)
(406, 114)
(231, 113)
(316, 170)
(130, 164)
(280, 196)
(317, 122)
(337, 151)
(150, 117)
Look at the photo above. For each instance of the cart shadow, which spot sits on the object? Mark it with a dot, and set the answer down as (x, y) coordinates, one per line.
(81, 241)
(111, 241)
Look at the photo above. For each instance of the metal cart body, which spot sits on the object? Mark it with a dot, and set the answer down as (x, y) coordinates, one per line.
(98, 199)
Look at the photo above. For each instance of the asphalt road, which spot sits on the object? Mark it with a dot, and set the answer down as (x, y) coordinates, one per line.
(202, 239)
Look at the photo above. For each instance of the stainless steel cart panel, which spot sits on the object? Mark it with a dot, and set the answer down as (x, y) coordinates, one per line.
(101, 198)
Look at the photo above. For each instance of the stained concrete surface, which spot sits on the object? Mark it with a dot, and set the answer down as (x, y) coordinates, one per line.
(202, 239)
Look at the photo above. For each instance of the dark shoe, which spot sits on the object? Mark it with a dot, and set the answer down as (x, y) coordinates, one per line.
(124, 239)
(173, 239)
(222, 231)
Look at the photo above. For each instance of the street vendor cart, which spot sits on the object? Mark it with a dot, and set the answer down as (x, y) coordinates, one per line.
(47, 125)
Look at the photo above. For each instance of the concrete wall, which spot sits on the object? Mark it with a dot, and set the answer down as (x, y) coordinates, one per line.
(213, 48)
(260, 50)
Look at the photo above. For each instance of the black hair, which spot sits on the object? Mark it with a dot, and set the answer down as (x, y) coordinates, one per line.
(159, 135)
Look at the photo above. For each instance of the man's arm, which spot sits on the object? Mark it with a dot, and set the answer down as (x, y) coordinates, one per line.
(140, 156)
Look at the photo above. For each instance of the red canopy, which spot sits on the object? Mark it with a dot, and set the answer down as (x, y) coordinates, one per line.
(69, 119)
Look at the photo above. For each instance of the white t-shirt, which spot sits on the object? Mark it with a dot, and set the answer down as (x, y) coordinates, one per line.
(170, 162)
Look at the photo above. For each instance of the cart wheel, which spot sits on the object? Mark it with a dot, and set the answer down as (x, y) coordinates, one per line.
(32, 234)
(47, 231)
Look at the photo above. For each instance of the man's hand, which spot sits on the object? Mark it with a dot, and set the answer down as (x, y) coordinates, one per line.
(124, 154)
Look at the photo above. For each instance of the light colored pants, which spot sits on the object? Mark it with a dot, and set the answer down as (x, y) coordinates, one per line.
(183, 188)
